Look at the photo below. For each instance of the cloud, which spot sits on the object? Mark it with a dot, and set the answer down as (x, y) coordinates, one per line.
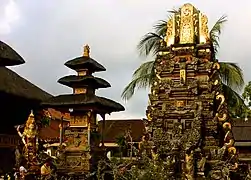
(55, 31)
(10, 15)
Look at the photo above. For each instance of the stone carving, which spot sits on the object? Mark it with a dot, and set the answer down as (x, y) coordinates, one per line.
(204, 33)
(189, 89)
(165, 65)
(73, 161)
(170, 33)
(76, 139)
(186, 24)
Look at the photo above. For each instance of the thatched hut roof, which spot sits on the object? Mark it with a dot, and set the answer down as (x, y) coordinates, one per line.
(8, 56)
(241, 129)
(116, 128)
(12, 83)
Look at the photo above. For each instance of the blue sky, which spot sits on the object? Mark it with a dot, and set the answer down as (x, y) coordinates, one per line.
(48, 33)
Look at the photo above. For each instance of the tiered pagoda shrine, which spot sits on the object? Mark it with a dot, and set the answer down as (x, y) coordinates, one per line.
(82, 137)
(186, 100)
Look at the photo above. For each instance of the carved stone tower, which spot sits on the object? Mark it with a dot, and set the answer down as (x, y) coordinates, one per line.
(82, 139)
(187, 85)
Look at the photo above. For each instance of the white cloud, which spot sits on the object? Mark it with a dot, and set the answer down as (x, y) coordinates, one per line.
(10, 16)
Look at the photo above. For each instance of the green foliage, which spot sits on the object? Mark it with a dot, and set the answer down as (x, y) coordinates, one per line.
(246, 112)
(231, 75)
(120, 141)
(149, 44)
(142, 78)
(45, 121)
(142, 169)
(247, 93)
(236, 105)
(215, 33)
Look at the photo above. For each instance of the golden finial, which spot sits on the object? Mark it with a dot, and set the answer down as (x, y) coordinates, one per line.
(31, 114)
(86, 51)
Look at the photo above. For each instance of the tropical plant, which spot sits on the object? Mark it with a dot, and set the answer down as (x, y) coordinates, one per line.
(230, 73)
(121, 142)
(246, 112)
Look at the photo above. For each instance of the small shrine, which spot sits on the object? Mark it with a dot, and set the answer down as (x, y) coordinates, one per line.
(83, 142)
(187, 109)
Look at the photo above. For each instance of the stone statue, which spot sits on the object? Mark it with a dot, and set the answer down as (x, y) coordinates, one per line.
(232, 159)
(189, 164)
(145, 146)
(228, 139)
(30, 140)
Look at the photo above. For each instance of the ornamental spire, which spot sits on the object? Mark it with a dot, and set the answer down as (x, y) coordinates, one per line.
(86, 51)
(187, 25)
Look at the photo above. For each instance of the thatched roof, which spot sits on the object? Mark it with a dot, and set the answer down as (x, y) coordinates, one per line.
(80, 81)
(116, 128)
(8, 56)
(241, 129)
(83, 101)
(84, 62)
(12, 83)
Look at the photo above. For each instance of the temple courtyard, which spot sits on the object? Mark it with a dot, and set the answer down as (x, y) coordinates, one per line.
(97, 113)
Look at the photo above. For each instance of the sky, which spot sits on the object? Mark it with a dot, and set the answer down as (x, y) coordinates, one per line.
(47, 33)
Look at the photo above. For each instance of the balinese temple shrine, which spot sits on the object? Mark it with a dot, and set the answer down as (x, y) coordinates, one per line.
(82, 138)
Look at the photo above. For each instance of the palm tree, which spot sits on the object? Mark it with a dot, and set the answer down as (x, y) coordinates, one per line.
(230, 73)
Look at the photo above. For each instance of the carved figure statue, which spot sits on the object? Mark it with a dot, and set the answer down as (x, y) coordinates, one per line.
(232, 158)
(178, 128)
(189, 164)
(228, 139)
(145, 146)
(30, 140)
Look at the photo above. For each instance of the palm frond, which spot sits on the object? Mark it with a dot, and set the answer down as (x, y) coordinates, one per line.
(145, 68)
(235, 102)
(149, 44)
(161, 27)
(142, 78)
(216, 31)
(140, 82)
(231, 74)
(174, 11)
